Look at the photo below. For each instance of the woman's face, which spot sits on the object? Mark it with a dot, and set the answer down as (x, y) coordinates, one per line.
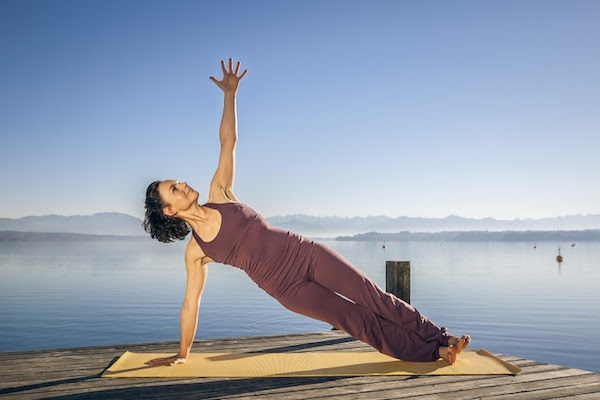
(178, 195)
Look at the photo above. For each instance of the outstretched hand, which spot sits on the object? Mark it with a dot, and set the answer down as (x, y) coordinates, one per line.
(174, 360)
(230, 81)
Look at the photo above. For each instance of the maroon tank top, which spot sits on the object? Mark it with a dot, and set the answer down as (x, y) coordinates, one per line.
(247, 241)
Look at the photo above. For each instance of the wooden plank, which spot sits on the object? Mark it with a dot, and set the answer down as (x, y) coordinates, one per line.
(75, 373)
(519, 388)
(113, 383)
(407, 388)
(587, 396)
(300, 340)
(587, 388)
(271, 346)
(302, 343)
(365, 381)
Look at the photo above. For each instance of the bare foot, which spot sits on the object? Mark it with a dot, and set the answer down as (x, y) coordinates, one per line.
(448, 354)
(459, 343)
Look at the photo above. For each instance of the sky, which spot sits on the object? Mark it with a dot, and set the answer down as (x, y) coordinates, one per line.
(348, 108)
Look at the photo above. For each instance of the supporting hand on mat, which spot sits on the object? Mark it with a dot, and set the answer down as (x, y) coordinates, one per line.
(174, 360)
(230, 80)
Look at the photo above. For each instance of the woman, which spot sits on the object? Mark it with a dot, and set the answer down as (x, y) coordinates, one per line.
(302, 275)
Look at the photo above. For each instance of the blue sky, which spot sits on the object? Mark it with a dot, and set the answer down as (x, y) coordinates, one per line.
(348, 108)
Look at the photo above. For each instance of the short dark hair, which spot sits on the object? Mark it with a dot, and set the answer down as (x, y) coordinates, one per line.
(160, 226)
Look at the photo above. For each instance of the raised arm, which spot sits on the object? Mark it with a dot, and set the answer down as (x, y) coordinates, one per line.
(224, 176)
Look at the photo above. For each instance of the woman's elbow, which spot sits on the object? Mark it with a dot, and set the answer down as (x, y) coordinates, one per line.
(190, 306)
(229, 143)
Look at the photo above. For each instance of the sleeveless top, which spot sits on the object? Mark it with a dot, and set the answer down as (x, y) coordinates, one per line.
(247, 241)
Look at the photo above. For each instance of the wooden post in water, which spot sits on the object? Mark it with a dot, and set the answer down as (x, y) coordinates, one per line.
(397, 279)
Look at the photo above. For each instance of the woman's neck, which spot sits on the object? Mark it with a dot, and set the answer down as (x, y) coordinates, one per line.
(195, 216)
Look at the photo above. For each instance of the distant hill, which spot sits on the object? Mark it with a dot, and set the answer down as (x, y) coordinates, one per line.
(324, 227)
(96, 224)
(479, 236)
(12, 236)
(336, 226)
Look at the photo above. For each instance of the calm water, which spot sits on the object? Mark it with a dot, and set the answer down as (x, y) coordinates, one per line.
(511, 298)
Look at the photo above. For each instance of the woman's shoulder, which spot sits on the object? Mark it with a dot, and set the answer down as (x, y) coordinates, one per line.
(193, 252)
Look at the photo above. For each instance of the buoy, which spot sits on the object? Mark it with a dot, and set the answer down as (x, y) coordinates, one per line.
(559, 258)
(383, 247)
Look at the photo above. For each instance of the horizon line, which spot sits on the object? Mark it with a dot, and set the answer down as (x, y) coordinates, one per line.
(326, 216)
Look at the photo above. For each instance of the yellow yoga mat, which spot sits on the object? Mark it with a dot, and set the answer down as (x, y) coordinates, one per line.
(259, 365)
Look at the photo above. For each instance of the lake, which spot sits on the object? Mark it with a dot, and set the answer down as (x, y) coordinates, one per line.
(510, 297)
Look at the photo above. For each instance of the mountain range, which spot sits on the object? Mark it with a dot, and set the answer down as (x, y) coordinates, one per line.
(97, 224)
(479, 236)
(336, 226)
(323, 227)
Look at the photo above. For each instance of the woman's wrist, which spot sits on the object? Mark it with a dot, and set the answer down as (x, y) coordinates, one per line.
(184, 352)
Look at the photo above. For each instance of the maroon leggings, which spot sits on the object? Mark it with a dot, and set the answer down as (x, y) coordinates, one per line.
(380, 319)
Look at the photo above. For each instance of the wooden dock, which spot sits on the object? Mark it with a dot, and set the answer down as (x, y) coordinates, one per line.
(75, 374)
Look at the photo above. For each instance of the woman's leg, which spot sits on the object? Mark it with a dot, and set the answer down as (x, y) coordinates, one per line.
(313, 300)
(332, 271)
